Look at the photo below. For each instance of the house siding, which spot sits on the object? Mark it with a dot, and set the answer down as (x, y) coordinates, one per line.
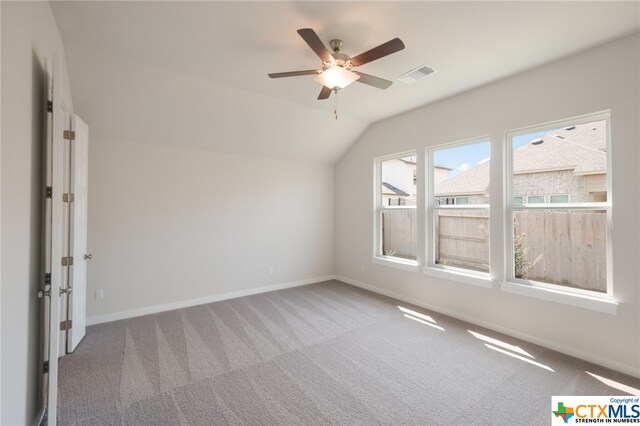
(552, 183)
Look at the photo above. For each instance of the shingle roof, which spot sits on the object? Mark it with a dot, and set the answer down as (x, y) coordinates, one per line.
(579, 148)
(472, 181)
(592, 135)
(394, 190)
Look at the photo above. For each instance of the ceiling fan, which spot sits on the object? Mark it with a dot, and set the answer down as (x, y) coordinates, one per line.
(337, 70)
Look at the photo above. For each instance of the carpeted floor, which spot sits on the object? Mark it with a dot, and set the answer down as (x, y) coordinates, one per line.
(327, 353)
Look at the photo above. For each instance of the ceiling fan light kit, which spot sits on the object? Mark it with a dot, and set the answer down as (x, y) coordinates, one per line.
(336, 76)
(337, 68)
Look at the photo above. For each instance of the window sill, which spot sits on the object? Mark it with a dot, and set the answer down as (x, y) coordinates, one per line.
(480, 280)
(405, 265)
(600, 304)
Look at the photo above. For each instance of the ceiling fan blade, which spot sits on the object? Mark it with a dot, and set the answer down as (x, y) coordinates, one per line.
(315, 43)
(381, 51)
(324, 93)
(374, 81)
(292, 73)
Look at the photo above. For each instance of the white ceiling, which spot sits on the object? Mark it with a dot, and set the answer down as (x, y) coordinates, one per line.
(195, 73)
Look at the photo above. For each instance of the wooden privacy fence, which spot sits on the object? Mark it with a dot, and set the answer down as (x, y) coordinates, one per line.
(570, 246)
(573, 245)
(399, 233)
(463, 239)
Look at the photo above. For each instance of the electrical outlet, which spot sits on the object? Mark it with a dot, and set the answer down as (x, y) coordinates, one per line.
(99, 294)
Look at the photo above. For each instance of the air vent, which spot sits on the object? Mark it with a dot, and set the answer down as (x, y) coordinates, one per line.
(537, 141)
(416, 74)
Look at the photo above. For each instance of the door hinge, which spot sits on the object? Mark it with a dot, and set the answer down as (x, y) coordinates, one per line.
(69, 135)
(67, 261)
(49, 106)
(65, 325)
(45, 367)
(47, 278)
(49, 192)
(68, 198)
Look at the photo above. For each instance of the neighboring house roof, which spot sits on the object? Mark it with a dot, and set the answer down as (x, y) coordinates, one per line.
(472, 181)
(591, 135)
(393, 190)
(550, 153)
(579, 148)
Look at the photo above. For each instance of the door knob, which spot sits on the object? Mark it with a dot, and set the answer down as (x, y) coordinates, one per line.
(45, 293)
(88, 256)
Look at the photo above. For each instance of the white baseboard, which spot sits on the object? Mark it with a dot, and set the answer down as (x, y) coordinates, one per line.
(99, 319)
(558, 347)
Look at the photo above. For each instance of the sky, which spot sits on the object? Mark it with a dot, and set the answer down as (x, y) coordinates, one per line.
(461, 158)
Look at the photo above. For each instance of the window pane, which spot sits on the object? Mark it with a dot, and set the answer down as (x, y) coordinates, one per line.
(399, 233)
(461, 174)
(559, 199)
(517, 201)
(398, 183)
(564, 247)
(535, 199)
(571, 161)
(463, 239)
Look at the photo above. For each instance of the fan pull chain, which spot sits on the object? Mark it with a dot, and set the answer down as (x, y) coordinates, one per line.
(335, 105)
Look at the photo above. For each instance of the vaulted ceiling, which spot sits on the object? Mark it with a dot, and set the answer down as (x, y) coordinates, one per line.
(194, 74)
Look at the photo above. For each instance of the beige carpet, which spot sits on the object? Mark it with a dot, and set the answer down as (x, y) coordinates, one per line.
(326, 353)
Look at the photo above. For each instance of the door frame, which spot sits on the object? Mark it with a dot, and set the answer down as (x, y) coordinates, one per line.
(63, 164)
(54, 239)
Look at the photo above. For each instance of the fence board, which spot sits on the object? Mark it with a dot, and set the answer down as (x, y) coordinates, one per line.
(572, 243)
(399, 236)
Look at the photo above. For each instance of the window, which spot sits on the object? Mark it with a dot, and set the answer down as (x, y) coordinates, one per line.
(535, 199)
(452, 200)
(559, 239)
(396, 221)
(459, 207)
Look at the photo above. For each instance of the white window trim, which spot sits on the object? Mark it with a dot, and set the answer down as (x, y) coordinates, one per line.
(396, 262)
(602, 302)
(378, 257)
(467, 276)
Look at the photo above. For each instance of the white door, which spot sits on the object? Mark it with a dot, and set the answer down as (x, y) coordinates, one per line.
(77, 301)
(55, 240)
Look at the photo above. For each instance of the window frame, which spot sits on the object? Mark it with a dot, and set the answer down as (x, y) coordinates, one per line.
(378, 257)
(432, 207)
(511, 208)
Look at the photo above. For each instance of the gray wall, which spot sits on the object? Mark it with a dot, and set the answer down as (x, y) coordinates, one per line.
(602, 78)
(169, 225)
(29, 35)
